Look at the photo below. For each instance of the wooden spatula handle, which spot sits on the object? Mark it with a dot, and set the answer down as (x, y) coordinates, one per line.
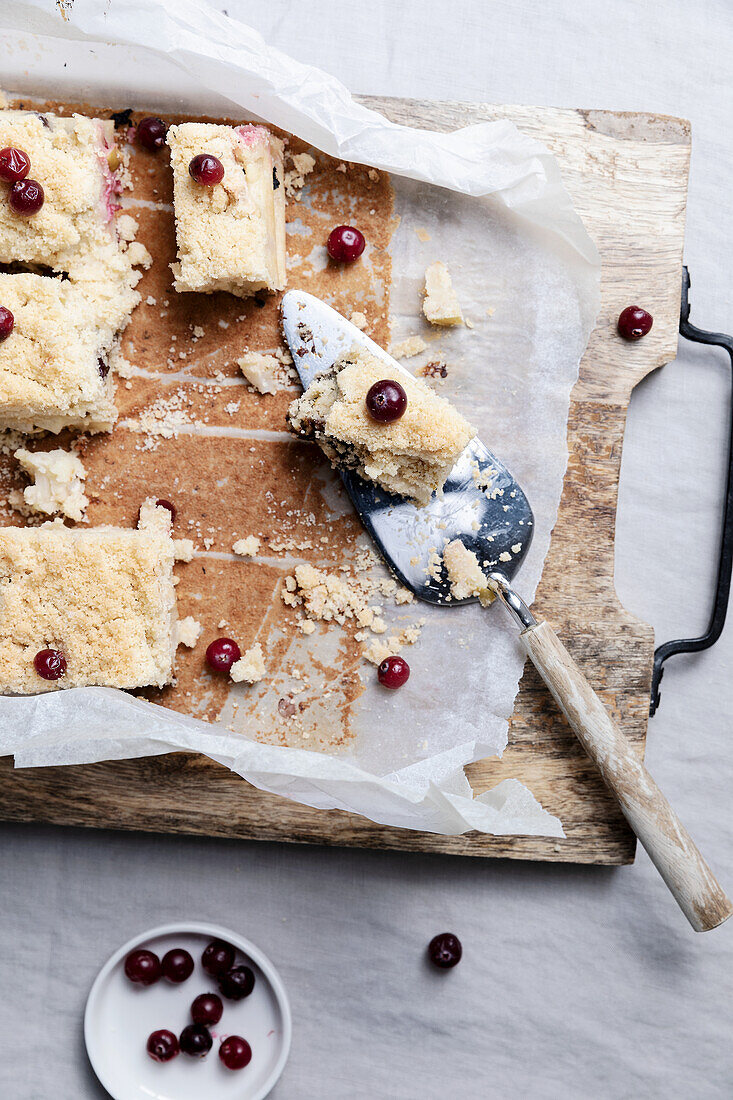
(650, 815)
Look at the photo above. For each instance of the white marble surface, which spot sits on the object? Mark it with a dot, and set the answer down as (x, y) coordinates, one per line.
(576, 982)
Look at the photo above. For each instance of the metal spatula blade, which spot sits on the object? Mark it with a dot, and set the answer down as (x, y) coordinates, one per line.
(496, 523)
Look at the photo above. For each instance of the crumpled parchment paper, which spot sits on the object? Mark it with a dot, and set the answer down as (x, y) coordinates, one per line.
(527, 275)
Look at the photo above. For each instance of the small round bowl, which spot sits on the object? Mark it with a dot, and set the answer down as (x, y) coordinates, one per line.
(120, 1015)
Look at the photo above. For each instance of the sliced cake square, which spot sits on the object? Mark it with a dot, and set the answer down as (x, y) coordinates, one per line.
(80, 169)
(53, 366)
(101, 601)
(411, 456)
(230, 236)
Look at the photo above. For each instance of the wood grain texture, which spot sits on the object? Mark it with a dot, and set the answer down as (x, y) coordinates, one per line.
(655, 823)
(627, 174)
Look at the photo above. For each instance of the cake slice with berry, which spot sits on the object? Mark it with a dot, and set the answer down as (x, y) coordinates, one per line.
(61, 178)
(83, 607)
(229, 204)
(54, 355)
(391, 428)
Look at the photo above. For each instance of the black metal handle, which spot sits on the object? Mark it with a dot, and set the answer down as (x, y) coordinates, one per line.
(725, 565)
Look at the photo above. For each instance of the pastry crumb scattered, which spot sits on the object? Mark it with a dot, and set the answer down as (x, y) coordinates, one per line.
(441, 303)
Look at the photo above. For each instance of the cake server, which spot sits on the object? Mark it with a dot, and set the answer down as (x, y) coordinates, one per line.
(499, 531)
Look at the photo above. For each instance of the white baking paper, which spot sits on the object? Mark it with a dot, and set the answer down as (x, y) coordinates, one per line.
(527, 274)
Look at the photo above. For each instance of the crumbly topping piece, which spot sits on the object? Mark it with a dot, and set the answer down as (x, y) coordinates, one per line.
(329, 597)
(103, 596)
(359, 319)
(407, 348)
(247, 547)
(466, 577)
(230, 236)
(265, 372)
(250, 668)
(58, 483)
(441, 304)
(411, 456)
(303, 165)
(188, 631)
(183, 549)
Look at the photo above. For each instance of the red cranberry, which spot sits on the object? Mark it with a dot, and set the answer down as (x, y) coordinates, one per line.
(634, 322)
(393, 672)
(345, 244)
(150, 133)
(237, 983)
(235, 1052)
(162, 1045)
(7, 323)
(177, 965)
(26, 197)
(222, 653)
(14, 165)
(142, 967)
(195, 1040)
(206, 170)
(170, 507)
(218, 956)
(50, 664)
(206, 1009)
(445, 950)
(386, 401)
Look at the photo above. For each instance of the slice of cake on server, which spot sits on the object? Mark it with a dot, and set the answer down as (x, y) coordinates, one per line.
(229, 203)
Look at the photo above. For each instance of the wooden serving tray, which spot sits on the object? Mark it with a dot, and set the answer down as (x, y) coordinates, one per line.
(627, 174)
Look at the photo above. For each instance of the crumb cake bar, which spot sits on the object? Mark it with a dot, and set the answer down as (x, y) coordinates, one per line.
(81, 170)
(230, 236)
(53, 370)
(411, 456)
(103, 597)
(441, 302)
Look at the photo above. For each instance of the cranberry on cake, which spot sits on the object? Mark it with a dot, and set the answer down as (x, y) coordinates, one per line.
(230, 208)
(411, 455)
(83, 607)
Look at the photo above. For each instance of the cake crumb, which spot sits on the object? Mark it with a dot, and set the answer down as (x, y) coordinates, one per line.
(250, 668)
(58, 484)
(265, 372)
(441, 303)
(188, 631)
(465, 574)
(359, 320)
(183, 549)
(247, 547)
(407, 348)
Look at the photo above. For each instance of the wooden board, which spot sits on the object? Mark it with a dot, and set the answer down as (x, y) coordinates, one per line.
(627, 174)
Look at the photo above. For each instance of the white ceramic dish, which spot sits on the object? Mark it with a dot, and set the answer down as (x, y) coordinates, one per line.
(119, 1017)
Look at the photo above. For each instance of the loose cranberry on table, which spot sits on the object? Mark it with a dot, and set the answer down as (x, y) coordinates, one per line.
(386, 401)
(7, 323)
(206, 170)
(634, 322)
(50, 664)
(150, 133)
(143, 967)
(222, 654)
(345, 244)
(393, 672)
(445, 950)
(177, 965)
(195, 1040)
(162, 1045)
(206, 1009)
(14, 165)
(235, 1052)
(218, 956)
(26, 197)
(237, 983)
